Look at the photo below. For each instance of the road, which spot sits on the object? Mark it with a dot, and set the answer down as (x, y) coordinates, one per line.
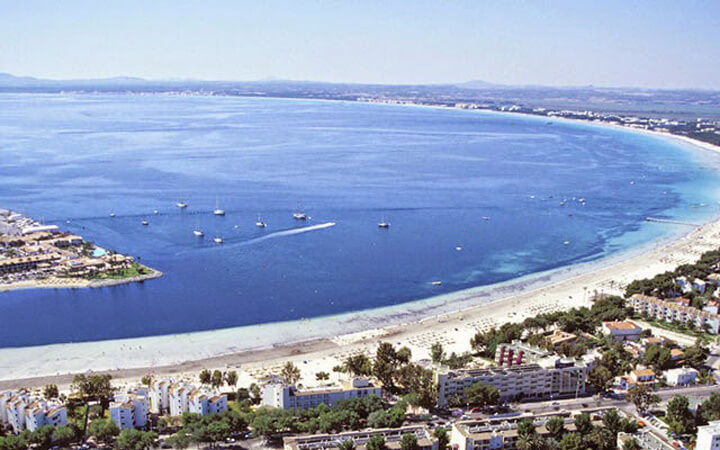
(598, 402)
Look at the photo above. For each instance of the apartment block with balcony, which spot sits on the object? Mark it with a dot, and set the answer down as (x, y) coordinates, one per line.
(550, 377)
(668, 311)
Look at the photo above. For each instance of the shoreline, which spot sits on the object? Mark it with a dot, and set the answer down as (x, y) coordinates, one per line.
(71, 283)
(469, 310)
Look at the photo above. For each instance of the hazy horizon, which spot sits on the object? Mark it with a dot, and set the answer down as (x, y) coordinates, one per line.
(662, 45)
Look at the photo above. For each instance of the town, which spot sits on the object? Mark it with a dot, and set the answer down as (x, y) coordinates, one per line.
(36, 255)
(632, 372)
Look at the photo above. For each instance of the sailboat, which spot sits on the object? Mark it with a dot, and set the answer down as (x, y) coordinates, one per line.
(383, 223)
(218, 211)
(259, 223)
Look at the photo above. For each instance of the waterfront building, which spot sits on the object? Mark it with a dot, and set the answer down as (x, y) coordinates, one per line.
(279, 395)
(550, 377)
(20, 411)
(39, 414)
(202, 403)
(131, 409)
(178, 397)
(622, 331)
(159, 396)
(674, 313)
(708, 436)
(393, 437)
(25, 263)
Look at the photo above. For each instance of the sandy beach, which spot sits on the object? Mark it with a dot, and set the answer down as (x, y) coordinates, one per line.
(321, 343)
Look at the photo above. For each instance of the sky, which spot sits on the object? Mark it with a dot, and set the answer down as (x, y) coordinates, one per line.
(653, 43)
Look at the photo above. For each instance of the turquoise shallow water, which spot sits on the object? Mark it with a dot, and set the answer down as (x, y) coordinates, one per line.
(472, 198)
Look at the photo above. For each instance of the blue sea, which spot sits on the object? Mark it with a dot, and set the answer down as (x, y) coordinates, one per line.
(472, 198)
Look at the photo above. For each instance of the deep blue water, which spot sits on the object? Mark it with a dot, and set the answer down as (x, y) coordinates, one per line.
(434, 174)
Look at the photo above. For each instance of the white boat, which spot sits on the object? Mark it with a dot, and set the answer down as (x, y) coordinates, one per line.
(155, 211)
(181, 205)
(485, 218)
(436, 283)
(218, 240)
(259, 223)
(218, 211)
(112, 214)
(299, 216)
(198, 233)
(145, 222)
(383, 223)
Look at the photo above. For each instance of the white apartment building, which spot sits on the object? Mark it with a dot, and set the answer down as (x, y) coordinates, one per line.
(4, 398)
(20, 411)
(672, 312)
(550, 377)
(159, 396)
(279, 395)
(203, 403)
(131, 410)
(708, 437)
(178, 397)
(39, 414)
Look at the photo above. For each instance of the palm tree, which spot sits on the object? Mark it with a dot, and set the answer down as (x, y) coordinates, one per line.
(347, 444)
(290, 373)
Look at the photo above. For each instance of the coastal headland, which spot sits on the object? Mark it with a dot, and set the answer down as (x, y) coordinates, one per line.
(39, 256)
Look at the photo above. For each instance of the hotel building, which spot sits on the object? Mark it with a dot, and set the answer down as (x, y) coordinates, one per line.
(549, 377)
(279, 395)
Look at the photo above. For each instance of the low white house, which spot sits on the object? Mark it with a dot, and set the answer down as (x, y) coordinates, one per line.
(681, 376)
(622, 331)
(683, 284)
(699, 285)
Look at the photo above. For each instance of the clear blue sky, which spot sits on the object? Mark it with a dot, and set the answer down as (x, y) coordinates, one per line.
(575, 42)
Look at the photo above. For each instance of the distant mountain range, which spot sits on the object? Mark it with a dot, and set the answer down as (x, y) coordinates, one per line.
(12, 81)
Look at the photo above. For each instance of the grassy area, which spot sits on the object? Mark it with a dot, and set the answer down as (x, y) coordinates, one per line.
(678, 329)
(135, 270)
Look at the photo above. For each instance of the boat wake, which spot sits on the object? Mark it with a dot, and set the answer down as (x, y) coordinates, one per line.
(290, 232)
(277, 234)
